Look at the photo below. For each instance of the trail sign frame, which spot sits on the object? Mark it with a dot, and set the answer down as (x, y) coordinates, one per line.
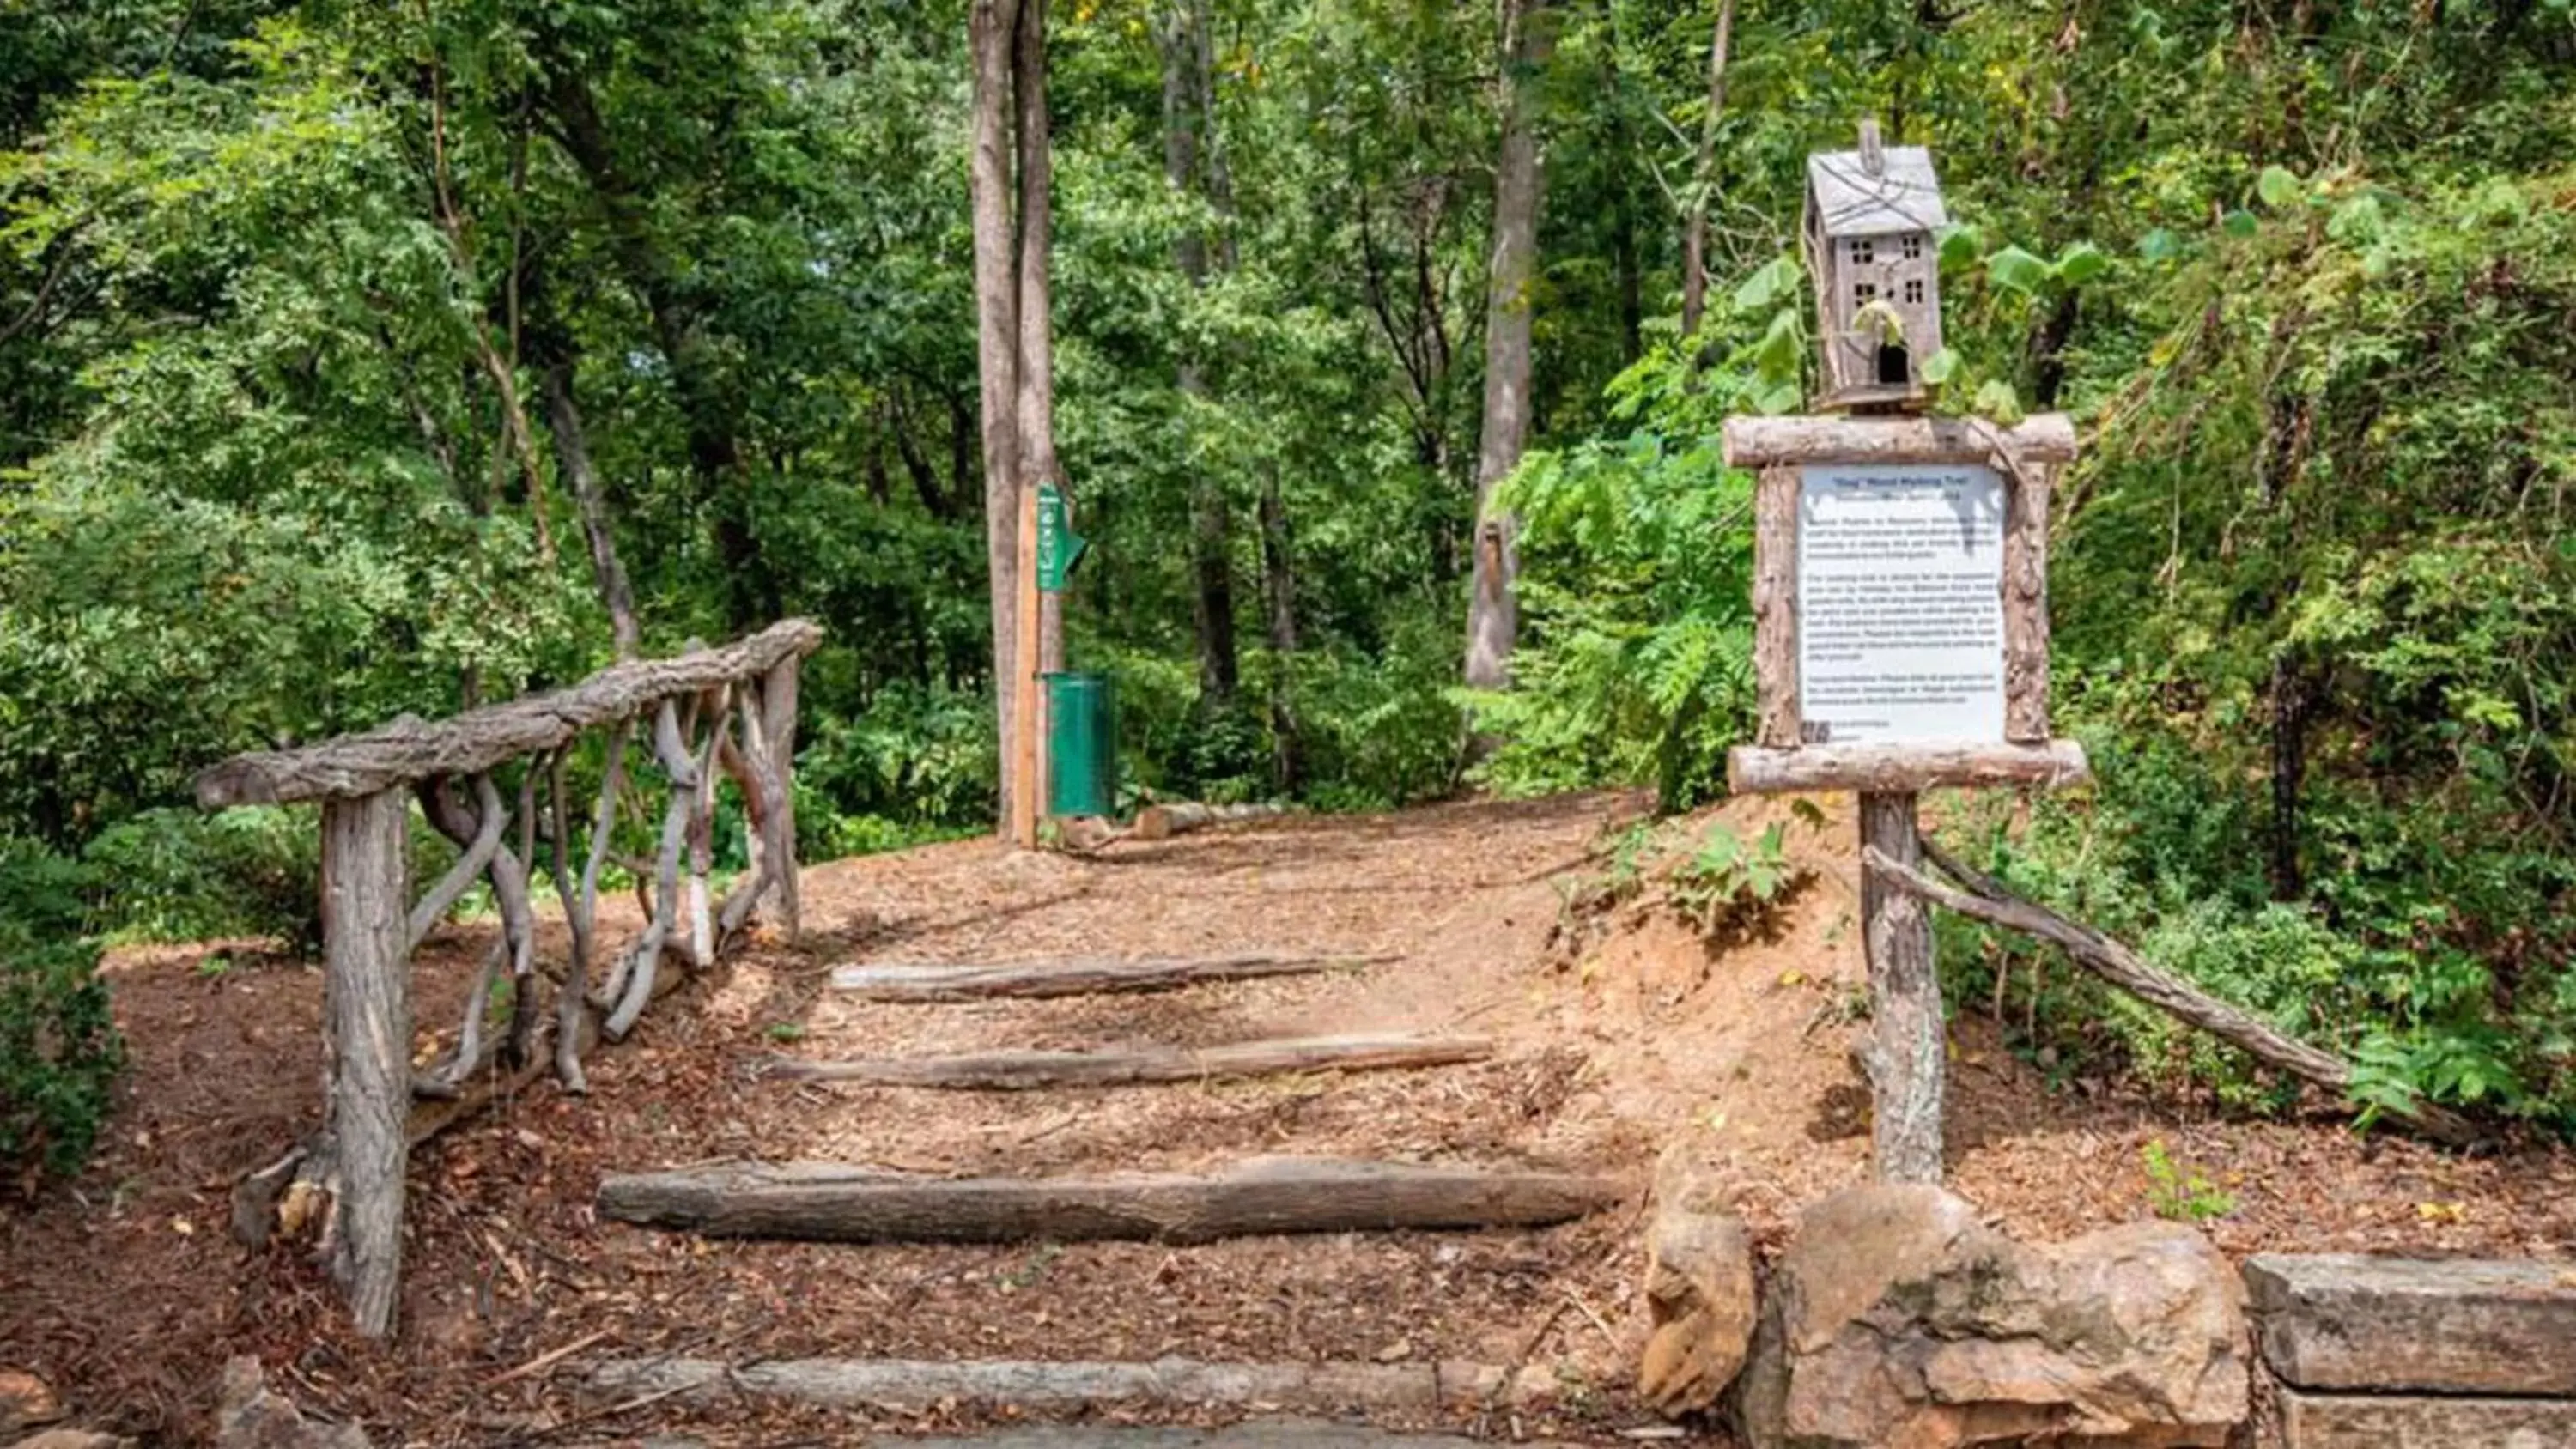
(1897, 594)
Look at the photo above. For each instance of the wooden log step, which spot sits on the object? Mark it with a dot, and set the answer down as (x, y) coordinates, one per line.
(909, 1384)
(918, 981)
(1019, 1071)
(842, 1203)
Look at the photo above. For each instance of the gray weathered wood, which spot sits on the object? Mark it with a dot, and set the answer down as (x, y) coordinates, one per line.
(1011, 1071)
(901, 1383)
(908, 981)
(442, 896)
(408, 749)
(1896, 769)
(1762, 442)
(1987, 900)
(1775, 608)
(2459, 1326)
(1905, 1055)
(367, 1016)
(631, 983)
(2025, 602)
(777, 696)
(830, 1202)
(2399, 1421)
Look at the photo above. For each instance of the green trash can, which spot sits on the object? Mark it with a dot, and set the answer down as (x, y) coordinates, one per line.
(1082, 745)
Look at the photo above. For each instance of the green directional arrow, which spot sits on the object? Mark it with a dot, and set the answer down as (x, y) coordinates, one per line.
(1059, 547)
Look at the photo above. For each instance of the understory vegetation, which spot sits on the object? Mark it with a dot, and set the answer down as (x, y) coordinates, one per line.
(306, 309)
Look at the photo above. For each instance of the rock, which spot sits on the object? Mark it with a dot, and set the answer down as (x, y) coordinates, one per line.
(1699, 1294)
(25, 1402)
(248, 1416)
(2397, 1421)
(73, 1439)
(1898, 1321)
(2389, 1324)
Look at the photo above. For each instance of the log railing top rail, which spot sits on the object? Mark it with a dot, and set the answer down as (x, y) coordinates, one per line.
(409, 749)
(1764, 442)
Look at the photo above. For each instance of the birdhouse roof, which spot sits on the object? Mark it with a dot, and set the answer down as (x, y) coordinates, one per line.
(1849, 201)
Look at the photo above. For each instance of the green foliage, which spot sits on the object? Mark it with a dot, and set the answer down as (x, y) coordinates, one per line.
(1732, 885)
(1636, 665)
(2179, 1192)
(176, 874)
(59, 1049)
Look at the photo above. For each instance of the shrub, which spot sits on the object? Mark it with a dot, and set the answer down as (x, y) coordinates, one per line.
(182, 875)
(59, 1051)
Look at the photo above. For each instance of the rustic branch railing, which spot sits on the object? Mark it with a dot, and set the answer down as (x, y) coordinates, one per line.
(708, 714)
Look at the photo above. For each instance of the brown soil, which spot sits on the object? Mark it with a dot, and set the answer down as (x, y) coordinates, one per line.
(1624, 1033)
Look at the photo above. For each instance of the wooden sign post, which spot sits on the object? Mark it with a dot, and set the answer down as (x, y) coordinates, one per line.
(1900, 598)
(1900, 612)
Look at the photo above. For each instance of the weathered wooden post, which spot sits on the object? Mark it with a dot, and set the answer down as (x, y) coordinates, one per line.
(366, 986)
(1900, 599)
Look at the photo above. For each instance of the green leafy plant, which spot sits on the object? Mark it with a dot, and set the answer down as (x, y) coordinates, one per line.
(59, 1048)
(2179, 1192)
(1731, 884)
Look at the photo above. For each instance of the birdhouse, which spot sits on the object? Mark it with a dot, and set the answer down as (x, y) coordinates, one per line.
(1871, 218)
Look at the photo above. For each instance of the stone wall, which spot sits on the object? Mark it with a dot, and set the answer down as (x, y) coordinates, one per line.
(1897, 1317)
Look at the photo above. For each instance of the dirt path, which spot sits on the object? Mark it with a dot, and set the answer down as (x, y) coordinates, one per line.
(1628, 1036)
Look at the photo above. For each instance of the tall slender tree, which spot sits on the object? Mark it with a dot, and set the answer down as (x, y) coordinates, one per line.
(1493, 614)
(1009, 170)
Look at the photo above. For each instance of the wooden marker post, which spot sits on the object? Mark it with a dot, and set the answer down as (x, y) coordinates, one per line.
(1024, 744)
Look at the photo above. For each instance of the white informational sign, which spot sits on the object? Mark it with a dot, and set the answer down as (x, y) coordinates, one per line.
(1900, 604)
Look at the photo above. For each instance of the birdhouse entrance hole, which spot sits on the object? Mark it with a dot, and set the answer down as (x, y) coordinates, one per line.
(1893, 367)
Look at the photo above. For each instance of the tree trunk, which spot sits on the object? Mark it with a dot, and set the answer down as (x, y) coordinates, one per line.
(991, 28)
(2289, 770)
(828, 1202)
(1905, 1054)
(1493, 616)
(572, 453)
(709, 411)
(1042, 647)
(1279, 586)
(1189, 160)
(1704, 178)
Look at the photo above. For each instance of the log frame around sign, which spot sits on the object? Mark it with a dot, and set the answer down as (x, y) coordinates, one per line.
(2024, 457)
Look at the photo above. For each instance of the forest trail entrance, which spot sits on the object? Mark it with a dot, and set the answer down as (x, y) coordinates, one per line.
(1637, 1034)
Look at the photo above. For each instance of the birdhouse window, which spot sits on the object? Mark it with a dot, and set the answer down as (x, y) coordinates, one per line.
(1914, 253)
(1914, 291)
(1864, 293)
(1864, 252)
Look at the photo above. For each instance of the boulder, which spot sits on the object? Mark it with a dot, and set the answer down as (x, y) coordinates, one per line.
(1699, 1294)
(26, 1401)
(1898, 1320)
(249, 1416)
